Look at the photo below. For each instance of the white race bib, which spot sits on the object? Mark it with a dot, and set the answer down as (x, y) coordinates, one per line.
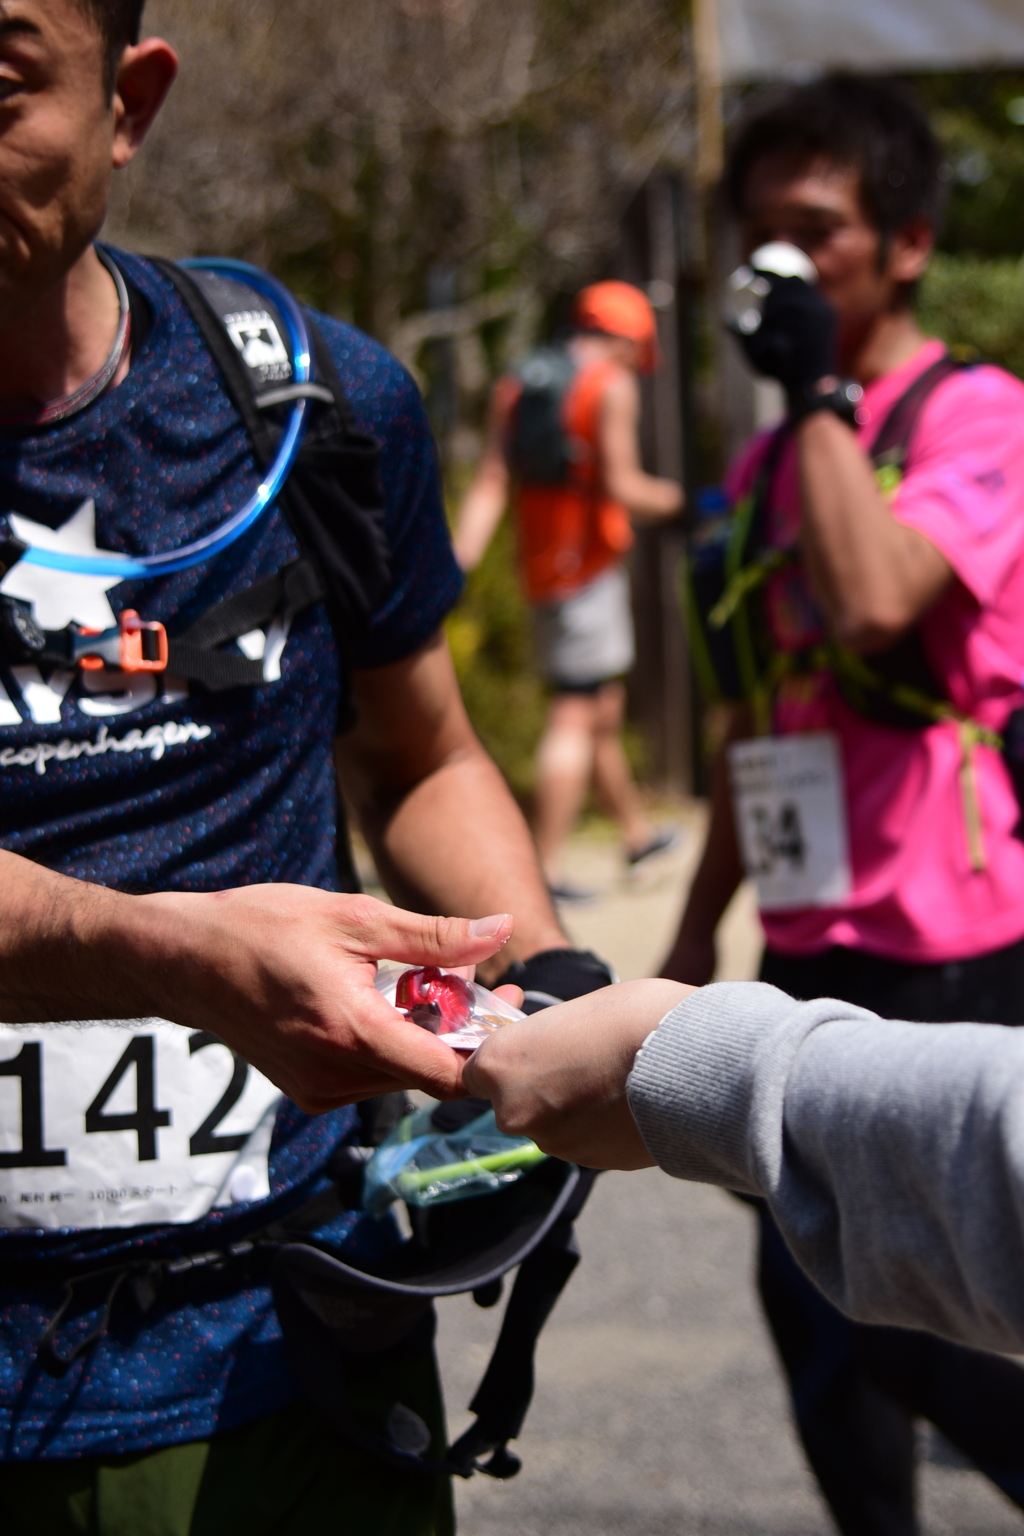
(118, 1125)
(790, 813)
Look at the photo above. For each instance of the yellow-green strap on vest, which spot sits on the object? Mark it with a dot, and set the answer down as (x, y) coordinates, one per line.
(830, 657)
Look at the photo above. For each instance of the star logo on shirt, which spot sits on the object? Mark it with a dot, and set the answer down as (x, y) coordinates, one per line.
(60, 598)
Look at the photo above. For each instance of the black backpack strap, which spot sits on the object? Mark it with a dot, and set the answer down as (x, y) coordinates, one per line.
(194, 654)
(762, 488)
(506, 1391)
(334, 1315)
(333, 497)
(214, 302)
(905, 663)
(893, 441)
(289, 590)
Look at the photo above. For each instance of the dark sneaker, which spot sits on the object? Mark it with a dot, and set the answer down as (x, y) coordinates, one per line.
(661, 842)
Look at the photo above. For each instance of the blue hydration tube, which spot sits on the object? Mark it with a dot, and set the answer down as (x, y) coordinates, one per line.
(128, 566)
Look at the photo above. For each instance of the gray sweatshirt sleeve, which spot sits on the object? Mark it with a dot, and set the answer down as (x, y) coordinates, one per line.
(891, 1155)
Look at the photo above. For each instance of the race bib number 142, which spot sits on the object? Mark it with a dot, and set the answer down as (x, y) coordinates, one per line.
(119, 1125)
(790, 813)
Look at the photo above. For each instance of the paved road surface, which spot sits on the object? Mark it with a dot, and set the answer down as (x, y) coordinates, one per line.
(658, 1407)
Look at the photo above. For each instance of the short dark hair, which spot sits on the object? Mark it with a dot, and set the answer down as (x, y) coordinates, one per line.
(872, 126)
(118, 23)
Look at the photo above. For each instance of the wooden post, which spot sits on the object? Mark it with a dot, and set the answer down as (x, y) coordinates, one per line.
(733, 390)
(707, 49)
(664, 214)
(650, 257)
(674, 264)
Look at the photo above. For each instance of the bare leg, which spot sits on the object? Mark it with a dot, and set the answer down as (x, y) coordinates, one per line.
(565, 760)
(612, 779)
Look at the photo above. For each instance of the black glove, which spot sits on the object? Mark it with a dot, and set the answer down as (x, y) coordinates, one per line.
(796, 340)
(556, 975)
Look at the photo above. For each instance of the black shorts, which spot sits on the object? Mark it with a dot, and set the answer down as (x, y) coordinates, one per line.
(587, 690)
(981, 989)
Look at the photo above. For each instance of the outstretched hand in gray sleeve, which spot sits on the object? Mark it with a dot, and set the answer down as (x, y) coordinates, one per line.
(891, 1155)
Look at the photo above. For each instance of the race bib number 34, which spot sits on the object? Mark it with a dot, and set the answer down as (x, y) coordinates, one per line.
(120, 1125)
(790, 813)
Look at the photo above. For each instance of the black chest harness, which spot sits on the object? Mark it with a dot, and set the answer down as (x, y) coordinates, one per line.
(734, 653)
(332, 499)
(735, 657)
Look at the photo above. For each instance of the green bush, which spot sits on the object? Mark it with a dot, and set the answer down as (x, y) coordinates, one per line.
(976, 305)
(974, 114)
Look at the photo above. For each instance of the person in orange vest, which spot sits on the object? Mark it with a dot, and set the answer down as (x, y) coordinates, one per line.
(562, 438)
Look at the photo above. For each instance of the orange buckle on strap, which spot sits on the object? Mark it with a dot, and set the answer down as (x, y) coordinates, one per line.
(91, 663)
(143, 643)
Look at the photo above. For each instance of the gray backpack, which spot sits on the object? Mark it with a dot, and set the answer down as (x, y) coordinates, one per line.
(539, 450)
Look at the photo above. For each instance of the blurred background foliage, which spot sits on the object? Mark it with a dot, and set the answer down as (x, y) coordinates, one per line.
(446, 172)
(973, 295)
(980, 120)
(976, 304)
(425, 168)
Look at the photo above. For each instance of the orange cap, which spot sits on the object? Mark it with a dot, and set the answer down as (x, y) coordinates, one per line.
(619, 309)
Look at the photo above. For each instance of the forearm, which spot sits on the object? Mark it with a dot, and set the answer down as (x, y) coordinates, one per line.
(644, 495)
(282, 973)
(480, 514)
(647, 497)
(456, 842)
(872, 576)
(889, 1154)
(444, 830)
(71, 950)
(721, 869)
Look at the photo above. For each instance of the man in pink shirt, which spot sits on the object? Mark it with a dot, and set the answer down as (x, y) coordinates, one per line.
(863, 787)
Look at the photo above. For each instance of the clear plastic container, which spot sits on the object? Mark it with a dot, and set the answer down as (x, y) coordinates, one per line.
(422, 1165)
(460, 1012)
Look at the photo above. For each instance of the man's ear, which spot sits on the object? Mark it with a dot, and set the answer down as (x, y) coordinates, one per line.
(910, 251)
(144, 76)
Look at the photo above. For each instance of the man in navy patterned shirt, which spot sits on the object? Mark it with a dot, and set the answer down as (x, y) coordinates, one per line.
(171, 857)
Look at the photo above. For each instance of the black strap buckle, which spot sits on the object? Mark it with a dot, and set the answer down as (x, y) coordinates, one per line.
(21, 638)
(57, 1362)
(136, 645)
(11, 547)
(145, 1279)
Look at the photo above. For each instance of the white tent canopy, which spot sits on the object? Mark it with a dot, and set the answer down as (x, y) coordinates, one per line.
(772, 38)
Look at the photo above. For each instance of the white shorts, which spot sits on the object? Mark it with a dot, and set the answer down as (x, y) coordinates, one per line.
(586, 639)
